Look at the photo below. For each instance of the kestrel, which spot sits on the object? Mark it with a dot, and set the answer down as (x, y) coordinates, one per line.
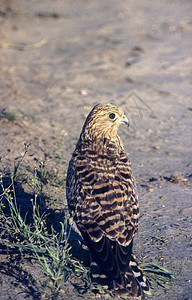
(102, 198)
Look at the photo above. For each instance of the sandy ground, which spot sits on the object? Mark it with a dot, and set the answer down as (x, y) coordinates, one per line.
(136, 54)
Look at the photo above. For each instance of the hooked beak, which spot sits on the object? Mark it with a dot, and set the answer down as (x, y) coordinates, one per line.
(124, 120)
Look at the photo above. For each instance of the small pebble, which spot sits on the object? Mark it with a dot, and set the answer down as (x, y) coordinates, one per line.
(149, 130)
(150, 189)
(83, 92)
(156, 147)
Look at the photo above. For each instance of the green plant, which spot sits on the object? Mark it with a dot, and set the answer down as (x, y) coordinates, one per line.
(50, 176)
(10, 115)
(47, 247)
(156, 274)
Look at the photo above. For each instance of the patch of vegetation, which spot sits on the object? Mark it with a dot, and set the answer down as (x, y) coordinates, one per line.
(48, 248)
(157, 275)
(50, 176)
(10, 115)
(41, 173)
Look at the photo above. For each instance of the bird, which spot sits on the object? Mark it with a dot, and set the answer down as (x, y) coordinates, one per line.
(103, 201)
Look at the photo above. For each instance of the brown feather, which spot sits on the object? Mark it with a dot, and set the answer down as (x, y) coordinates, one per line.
(102, 198)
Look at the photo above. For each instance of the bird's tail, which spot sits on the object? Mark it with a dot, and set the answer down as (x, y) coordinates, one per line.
(132, 284)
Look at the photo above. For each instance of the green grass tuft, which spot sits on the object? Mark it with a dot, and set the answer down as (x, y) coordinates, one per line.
(45, 246)
(50, 176)
(10, 115)
(157, 275)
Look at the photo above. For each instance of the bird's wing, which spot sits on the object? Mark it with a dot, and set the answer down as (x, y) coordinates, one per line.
(103, 197)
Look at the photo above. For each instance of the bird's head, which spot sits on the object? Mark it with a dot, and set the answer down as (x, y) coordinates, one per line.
(104, 120)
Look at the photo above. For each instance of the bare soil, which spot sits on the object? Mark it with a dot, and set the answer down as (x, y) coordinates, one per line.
(136, 54)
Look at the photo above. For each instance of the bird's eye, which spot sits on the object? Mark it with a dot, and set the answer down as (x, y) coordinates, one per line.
(112, 116)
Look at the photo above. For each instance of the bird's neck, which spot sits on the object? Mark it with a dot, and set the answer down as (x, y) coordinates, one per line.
(100, 144)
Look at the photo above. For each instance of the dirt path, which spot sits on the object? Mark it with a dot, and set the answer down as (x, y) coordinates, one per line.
(132, 53)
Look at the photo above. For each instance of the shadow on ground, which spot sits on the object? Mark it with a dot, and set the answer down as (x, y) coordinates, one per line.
(18, 265)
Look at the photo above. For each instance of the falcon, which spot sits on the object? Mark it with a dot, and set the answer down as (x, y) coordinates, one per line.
(102, 198)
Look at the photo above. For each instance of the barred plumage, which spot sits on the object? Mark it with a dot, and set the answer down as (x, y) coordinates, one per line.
(102, 198)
